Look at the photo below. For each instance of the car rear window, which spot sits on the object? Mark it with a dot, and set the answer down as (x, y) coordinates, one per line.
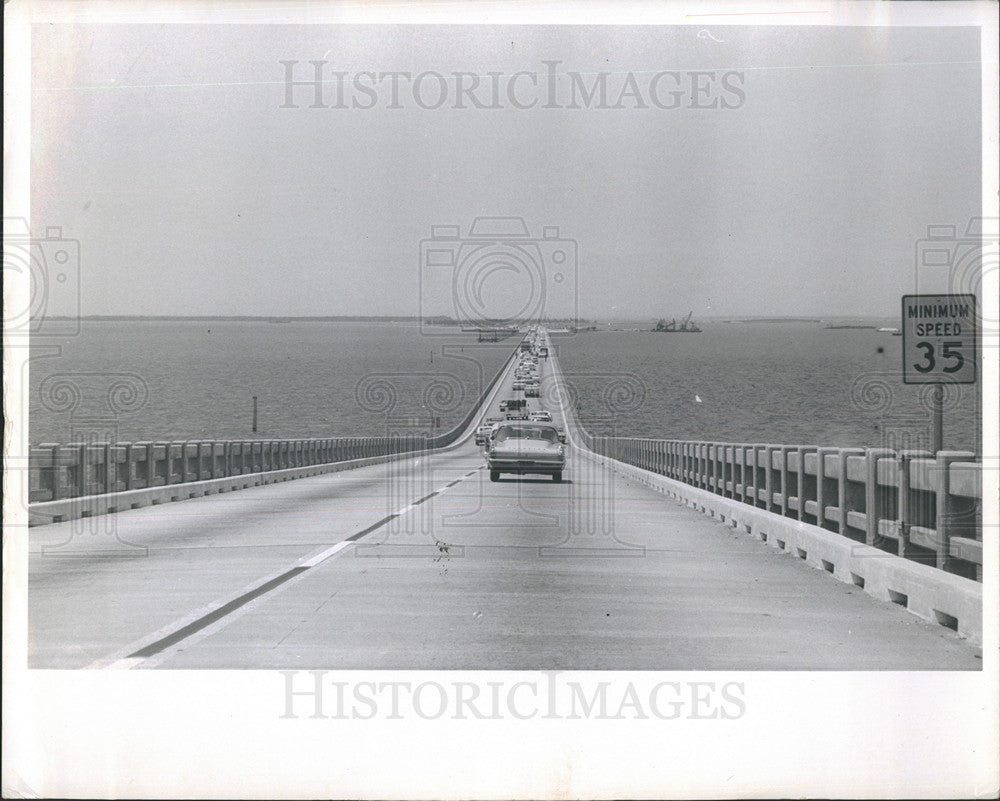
(527, 432)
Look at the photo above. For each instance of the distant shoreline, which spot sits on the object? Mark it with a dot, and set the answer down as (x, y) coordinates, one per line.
(444, 322)
(207, 318)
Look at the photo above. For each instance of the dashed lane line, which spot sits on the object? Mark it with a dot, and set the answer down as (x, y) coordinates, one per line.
(186, 629)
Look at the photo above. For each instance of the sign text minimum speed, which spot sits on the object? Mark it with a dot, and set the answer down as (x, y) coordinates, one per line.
(939, 339)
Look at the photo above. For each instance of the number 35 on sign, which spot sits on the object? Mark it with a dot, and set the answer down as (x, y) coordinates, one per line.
(939, 339)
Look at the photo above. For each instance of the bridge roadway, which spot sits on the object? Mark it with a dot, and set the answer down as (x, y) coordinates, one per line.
(592, 573)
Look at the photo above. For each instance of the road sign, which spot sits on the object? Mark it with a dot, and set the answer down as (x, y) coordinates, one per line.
(939, 339)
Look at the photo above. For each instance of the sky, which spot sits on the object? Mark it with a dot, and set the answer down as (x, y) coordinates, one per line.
(166, 152)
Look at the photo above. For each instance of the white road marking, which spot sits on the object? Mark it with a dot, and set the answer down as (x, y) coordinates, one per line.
(324, 555)
(119, 660)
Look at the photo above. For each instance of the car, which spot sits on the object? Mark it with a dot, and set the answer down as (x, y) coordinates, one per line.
(518, 385)
(525, 448)
(491, 432)
(482, 432)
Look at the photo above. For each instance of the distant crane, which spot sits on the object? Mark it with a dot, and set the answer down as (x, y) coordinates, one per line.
(686, 327)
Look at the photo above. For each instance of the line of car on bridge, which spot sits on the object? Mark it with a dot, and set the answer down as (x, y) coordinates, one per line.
(522, 441)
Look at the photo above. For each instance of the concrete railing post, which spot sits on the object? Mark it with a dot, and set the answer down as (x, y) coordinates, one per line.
(808, 490)
(80, 459)
(150, 464)
(842, 486)
(772, 478)
(784, 481)
(43, 472)
(825, 493)
(905, 510)
(874, 504)
(944, 508)
(730, 472)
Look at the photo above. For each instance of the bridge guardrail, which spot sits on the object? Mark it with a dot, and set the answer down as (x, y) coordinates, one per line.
(910, 503)
(60, 472)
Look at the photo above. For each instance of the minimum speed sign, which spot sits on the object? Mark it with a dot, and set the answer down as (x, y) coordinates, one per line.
(939, 339)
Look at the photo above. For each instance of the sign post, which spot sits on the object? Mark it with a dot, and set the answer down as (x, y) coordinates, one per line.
(939, 346)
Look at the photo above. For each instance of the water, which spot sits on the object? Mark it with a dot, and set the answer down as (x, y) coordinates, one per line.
(195, 380)
(785, 383)
(791, 383)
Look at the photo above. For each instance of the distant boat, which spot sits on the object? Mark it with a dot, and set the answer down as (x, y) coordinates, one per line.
(889, 330)
(686, 327)
(850, 327)
(697, 398)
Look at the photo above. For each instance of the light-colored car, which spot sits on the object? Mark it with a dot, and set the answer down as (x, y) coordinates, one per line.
(526, 448)
(482, 432)
(491, 433)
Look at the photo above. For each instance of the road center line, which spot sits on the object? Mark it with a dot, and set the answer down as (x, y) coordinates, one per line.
(213, 616)
(186, 631)
(324, 555)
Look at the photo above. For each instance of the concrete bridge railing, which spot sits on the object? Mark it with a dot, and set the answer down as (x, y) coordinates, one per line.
(910, 503)
(924, 507)
(881, 521)
(59, 472)
(61, 475)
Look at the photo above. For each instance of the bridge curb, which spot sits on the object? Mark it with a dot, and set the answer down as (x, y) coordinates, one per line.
(931, 594)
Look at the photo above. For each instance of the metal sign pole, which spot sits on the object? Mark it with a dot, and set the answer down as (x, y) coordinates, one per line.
(937, 430)
(939, 346)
